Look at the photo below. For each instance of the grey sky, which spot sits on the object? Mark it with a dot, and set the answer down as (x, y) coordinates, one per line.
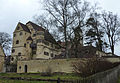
(13, 11)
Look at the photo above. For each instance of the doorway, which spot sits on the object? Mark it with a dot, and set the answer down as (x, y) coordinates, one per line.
(25, 68)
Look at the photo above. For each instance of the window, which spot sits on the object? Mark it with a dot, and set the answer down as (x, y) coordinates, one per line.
(34, 35)
(19, 54)
(13, 50)
(24, 45)
(17, 42)
(18, 28)
(46, 53)
(14, 35)
(21, 33)
(19, 67)
(51, 54)
(12, 59)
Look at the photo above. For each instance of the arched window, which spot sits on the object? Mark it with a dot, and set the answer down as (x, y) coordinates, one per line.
(17, 42)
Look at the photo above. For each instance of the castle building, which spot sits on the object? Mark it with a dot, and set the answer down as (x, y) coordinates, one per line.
(31, 41)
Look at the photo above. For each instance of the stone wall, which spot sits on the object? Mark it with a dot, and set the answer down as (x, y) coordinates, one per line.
(55, 65)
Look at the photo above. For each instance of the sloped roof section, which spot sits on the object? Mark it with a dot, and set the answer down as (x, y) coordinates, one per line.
(49, 37)
(36, 27)
(29, 38)
(25, 28)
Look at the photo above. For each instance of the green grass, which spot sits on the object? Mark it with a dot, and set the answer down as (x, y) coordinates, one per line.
(56, 76)
(66, 76)
(119, 80)
(20, 81)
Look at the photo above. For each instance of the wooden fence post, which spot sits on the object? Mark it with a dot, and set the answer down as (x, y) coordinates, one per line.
(58, 80)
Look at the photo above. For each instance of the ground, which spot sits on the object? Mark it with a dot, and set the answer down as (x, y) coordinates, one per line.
(63, 77)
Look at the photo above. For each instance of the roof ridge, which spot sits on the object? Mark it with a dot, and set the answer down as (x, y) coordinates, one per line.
(25, 28)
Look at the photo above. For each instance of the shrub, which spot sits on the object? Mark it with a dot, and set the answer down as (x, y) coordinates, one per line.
(90, 66)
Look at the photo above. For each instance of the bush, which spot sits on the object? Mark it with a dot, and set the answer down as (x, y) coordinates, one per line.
(90, 66)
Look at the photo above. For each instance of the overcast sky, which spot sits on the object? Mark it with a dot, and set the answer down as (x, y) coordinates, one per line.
(13, 11)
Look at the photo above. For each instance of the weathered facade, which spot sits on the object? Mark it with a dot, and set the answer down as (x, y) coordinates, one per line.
(38, 66)
(55, 65)
(2, 59)
(31, 41)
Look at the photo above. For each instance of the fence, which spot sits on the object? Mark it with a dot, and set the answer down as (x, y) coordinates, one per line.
(109, 76)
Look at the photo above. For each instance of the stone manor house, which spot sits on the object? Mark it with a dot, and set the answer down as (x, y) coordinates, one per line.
(31, 41)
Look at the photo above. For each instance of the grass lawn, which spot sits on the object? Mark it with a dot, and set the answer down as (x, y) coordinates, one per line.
(66, 76)
(56, 76)
(119, 80)
(20, 81)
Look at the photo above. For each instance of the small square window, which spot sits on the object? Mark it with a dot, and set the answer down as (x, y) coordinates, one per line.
(13, 50)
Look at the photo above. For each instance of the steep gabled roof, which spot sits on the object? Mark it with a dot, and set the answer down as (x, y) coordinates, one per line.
(36, 27)
(25, 28)
(47, 35)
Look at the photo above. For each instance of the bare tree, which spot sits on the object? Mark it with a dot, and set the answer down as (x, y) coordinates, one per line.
(111, 26)
(65, 16)
(5, 41)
